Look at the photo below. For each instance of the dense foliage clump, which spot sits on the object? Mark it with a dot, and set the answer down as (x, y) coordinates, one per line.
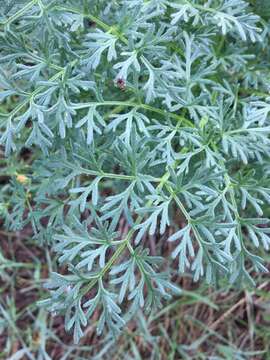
(151, 113)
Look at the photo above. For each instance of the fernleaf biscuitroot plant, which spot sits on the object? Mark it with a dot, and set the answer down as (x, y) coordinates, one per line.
(152, 114)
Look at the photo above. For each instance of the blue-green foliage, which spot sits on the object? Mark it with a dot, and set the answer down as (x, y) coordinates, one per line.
(135, 111)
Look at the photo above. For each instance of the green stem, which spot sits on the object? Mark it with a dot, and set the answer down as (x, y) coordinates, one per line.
(34, 93)
(138, 106)
(100, 23)
(186, 214)
(126, 242)
(31, 97)
(19, 13)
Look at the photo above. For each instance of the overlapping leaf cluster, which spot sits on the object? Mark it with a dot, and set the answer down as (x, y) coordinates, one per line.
(135, 111)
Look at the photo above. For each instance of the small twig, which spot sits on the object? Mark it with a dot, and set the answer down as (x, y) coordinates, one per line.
(234, 307)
